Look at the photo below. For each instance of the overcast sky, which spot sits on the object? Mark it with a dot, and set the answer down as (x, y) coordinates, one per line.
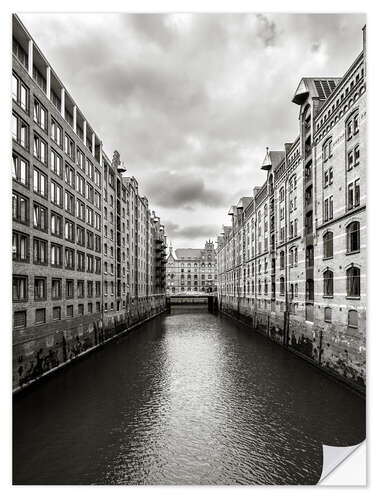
(192, 101)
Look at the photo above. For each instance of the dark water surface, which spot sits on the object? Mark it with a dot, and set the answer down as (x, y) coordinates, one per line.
(189, 398)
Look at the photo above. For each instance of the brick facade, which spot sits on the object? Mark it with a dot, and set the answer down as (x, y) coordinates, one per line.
(88, 253)
(293, 261)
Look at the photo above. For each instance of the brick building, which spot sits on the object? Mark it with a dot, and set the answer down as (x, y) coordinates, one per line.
(293, 260)
(88, 253)
(191, 269)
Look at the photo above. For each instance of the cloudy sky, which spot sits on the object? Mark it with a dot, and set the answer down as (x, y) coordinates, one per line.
(192, 101)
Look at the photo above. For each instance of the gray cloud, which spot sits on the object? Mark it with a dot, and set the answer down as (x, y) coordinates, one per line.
(181, 191)
(191, 101)
(205, 231)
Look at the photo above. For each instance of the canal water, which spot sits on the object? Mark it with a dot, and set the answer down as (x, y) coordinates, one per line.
(188, 398)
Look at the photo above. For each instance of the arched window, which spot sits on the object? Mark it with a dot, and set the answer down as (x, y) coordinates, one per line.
(327, 314)
(328, 283)
(282, 260)
(353, 318)
(353, 282)
(353, 237)
(282, 285)
(328, 245)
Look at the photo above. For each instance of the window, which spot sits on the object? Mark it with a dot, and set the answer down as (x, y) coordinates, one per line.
(56, 255)
(353, 318)
(20, 131)
(90, 263)
(56, 132)
(282, 285)
(80, 289)
(98, 178)
(328, 208)
(69, 311)
(90, 289)
(80, 184)
(310, 256)
(328, 283)
(356, 156)
(40, 114)
(40, 316)
(56, 163)
(310, 289)
(97, 288)
(40, 289)
(327, 149)
(40, 251)
(90, 216)
(353, 282)
(20, 208)
(69, 146)
(354, 195)
(56, 193)
(80, 210)
(352, 126)
(69, 175)
(56, 288)
(80, 261)
(20, 170)
(40, 217)
(282, 260)
(40, 149)
(56, 313)
(309, 222)
(327, 314)
(80, 235)
(20, 247)
(19, 319)
(40, 183)
(89, 193)
(80, 159)
(328, 245)
(19, 288)
(97, 265)
(20, 92)
(69, 258)
(69, 230)
(69, 289)
(56, 224)
(69, 202)
(353, 237)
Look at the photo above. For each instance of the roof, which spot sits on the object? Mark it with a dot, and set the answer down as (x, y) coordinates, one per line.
(272, 159)
(320, 88)
(189, 253)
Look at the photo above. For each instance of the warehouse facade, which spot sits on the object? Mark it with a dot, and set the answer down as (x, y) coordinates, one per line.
(88, 253)
(293, 260)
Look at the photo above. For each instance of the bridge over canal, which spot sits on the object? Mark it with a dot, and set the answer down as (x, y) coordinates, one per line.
(197, 299)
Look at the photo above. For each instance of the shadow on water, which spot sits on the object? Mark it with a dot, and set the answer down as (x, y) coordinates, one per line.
(188, 398)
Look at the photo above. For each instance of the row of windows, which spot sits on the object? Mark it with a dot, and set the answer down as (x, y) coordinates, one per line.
(19, 319)
(59, 256)
(21, 288)
(55, 224)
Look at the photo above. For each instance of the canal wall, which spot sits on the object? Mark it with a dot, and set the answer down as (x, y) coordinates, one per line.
(332, 347)
(40, 350)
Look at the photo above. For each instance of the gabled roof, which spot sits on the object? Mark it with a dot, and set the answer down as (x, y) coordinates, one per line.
(320, 88)
(272, 159)
(186, 253)
(244, 202)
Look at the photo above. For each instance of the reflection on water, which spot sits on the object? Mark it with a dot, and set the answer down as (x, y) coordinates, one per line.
(189, 398)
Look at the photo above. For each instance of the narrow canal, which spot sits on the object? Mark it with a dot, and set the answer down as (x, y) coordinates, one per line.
(189, 398)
